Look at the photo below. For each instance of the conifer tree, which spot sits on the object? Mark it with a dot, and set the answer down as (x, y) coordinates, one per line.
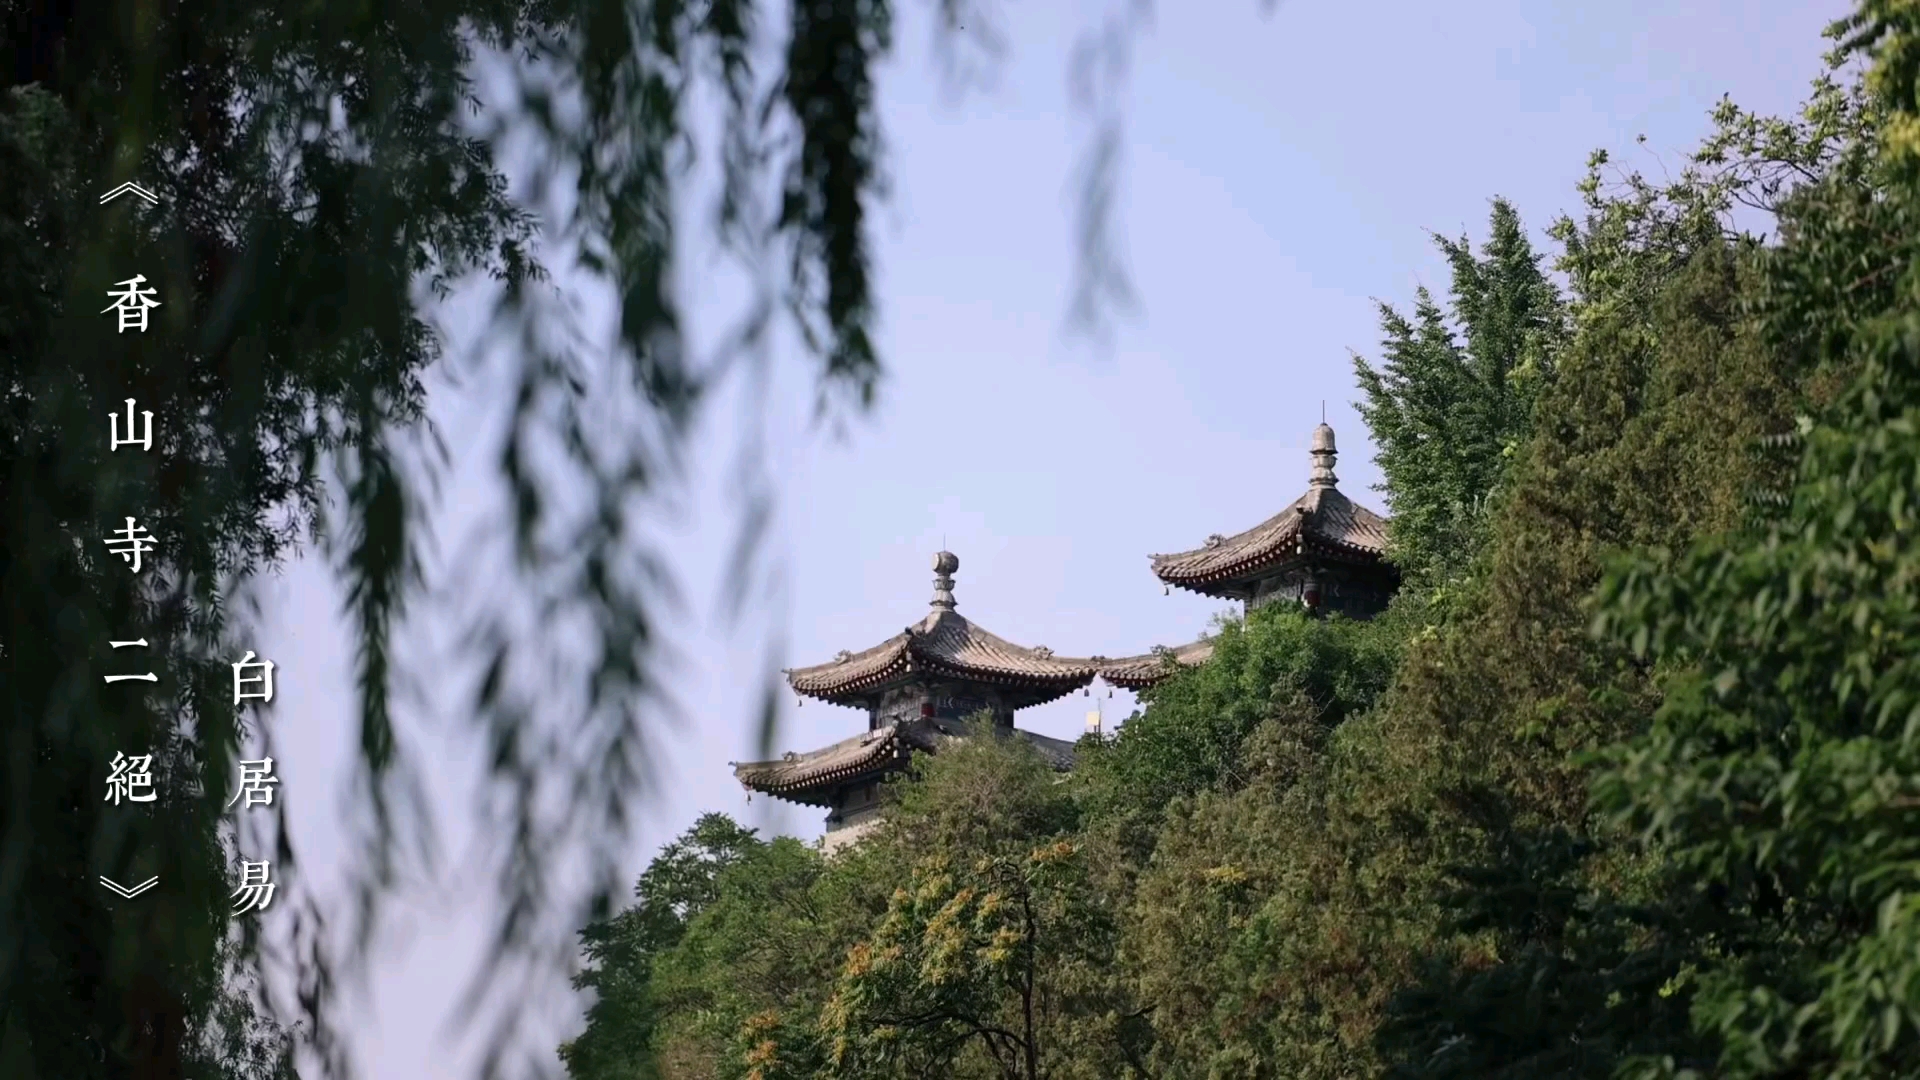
(1452, 398)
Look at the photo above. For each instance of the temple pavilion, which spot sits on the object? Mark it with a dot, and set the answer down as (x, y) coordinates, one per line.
(1323, 551)
(918, 688)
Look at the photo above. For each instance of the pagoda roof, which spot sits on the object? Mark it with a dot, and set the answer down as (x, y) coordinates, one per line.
(1323, 519)
(1147, 669)
(945, 644)
(810, 778)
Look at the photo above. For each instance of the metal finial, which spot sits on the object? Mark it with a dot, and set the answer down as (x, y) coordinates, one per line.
(1323, 457)
(944, 565)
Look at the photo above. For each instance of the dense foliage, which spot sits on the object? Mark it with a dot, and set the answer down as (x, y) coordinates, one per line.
(1449, 410)
(1624, 784)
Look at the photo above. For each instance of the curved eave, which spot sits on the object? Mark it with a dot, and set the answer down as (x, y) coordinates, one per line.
(1039, 689)
(1282, 545)
(1141, 672)
(816, 788)
(1223, 581)
(1140, 680)
(850, 691)
(818, 793)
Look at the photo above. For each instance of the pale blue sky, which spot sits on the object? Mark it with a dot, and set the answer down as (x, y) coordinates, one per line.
(1281, 172)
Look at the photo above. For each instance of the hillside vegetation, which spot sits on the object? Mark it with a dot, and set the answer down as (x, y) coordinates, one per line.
(1626, 783)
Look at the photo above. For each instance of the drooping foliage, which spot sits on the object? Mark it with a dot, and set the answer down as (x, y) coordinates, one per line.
(325, 177)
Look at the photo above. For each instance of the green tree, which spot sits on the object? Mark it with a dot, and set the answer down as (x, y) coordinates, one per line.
(992, 955)
(1566, 946)
(1779, 773)
(682, 881)
(1208, 824)
(1252, 932)
(776, 977)
(1452, 399)
(757, 964)
(991, 961)
(1187, 736)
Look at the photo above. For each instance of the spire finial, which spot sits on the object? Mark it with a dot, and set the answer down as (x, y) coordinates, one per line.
(944, 564)
(1323, 457)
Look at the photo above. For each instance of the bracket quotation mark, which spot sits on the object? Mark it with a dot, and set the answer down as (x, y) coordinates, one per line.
(130, 188)
(121, 890)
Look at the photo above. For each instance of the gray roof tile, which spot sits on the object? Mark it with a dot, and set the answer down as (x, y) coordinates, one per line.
(1140, 672)
(1323, 516)
(945, 644)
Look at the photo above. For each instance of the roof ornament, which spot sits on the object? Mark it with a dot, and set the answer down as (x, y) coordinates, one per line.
(1042, 651)
(944, 564)
(843, 656)
(1215, 540)
(1323, 456)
